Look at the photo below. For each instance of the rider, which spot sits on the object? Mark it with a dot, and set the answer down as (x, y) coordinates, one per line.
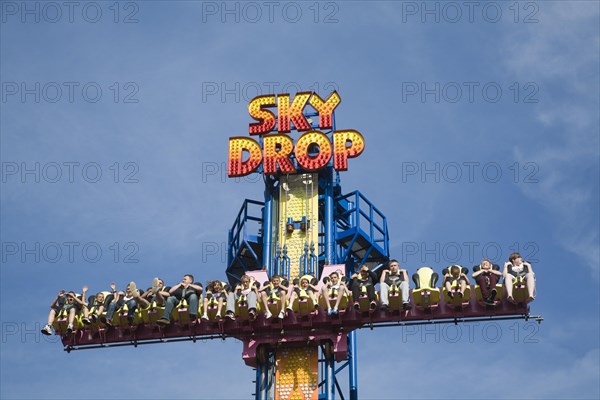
(394, 277)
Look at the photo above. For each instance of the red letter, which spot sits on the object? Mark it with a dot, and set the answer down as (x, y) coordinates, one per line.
(265, 118)
(343, 152)
(277, 150)
(308, 162)
(236, 166)
(293, 112)
(325, 108)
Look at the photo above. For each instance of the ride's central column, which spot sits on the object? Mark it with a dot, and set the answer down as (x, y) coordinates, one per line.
(291, 226)
(297, 235)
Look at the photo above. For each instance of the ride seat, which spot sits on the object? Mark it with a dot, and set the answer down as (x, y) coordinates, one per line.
(425, 294)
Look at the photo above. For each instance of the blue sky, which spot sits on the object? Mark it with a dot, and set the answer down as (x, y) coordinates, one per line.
(144, 114)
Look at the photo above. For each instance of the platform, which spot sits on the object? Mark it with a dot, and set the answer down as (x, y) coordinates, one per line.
(291, 329)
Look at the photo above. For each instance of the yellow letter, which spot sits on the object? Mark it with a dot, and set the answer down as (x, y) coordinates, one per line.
(325, 108)
(265, 118)
(236, 166)
(341, 152)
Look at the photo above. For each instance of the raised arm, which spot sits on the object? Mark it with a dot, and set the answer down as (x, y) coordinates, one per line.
(117, 295)
(353, 279)
(174, 288)
(384, 274)
(84, 291)
(58, 296)
(196, 287)
(263, 288)
(254, 286)
(373, 277)
(81, 303)
(505, 270)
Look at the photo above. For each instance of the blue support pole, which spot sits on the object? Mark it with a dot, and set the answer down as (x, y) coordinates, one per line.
(352, 367)
(267, 232)
(330, 256)
(329, 378)
(329, 219)
(230, 255)
(262, 386)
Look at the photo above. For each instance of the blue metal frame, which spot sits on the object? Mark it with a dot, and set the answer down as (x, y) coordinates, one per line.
(267, 222)
(329, 220)
(353, 366)
(240, 238)
(352, 231)
(308, 260)
(358, 212)
(265, 378)
(282, 262)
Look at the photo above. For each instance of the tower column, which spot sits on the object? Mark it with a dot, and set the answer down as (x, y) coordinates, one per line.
(353, 367)
(329, 221)
(267, 230)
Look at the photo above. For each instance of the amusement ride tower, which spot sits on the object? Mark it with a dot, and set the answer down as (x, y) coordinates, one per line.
(305, 226)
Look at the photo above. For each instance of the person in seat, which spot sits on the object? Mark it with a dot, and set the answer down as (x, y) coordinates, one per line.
(333, 291)
(454, 276)
(130, 297)
(157, 294)
(518, 271)
(395, 279)
(215, 293)
(96, 305)
(304, 289)
(66, 304)
(274, 291)
(364, 281)
(186, 289)
(487, 277)
(245, 292)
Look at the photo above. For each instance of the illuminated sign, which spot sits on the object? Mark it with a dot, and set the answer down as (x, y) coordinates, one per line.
(312, 151)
